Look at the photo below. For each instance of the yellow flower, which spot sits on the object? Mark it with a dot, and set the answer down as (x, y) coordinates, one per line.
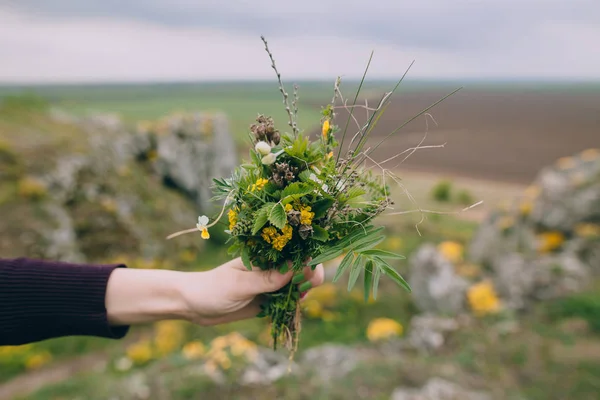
(140, 352)
(37, 360)
(483, 299)
(326, 294)
(193, 350)
(452, 251)
(288, 207)
(326, 128)
(383, 328)
(525, 208)
(550, 241)
(306, 216)
(587, 230)
(270, 235)
(258, 185)
(313, 308)
(590, 154)
(506, 222)
(532, 191)
(232, 218)
(329, 155)
(169, 335)
(467, 270)
(565, 163)
(31, 188)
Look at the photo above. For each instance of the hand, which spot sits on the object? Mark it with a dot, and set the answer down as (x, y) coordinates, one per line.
(231, 292)
(225, 294)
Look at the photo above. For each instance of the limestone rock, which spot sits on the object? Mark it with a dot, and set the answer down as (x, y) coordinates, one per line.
(330, 361)
(439, 389)
(436, 286)
(428, 332)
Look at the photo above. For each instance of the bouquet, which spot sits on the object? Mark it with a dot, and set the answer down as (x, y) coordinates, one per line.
(298, 199)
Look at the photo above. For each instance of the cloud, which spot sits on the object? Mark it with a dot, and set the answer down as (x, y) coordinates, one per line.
(73, 40)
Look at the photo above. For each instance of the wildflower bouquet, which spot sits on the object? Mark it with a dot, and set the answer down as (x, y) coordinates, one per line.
(297, 200)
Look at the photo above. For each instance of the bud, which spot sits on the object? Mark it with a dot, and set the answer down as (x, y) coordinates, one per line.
(263, 148)
(269, 159)
(325, 128)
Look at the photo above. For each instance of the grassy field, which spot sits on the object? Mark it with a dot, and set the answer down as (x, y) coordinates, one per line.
(542, 359)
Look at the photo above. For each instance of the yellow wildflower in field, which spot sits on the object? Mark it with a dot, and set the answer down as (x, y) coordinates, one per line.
(31, 188)
(483, 299)
(393, 243)
(550, 241)
(140, 352)
(326, 294)
(506, 222)
(565, 163)
(590, 154)
(193, 350)
(313, 309)
(383, 328)
(169, 336)
(232, 215)
(525, 207)
(258, 185)
(326, 127)
(532, 191)
(467, 270)
(38, 359)
(587, 230)
(306, 215)
(452, 251)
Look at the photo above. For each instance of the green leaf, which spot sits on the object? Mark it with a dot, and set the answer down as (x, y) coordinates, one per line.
(382, 254)
(367, 243)
(320, 234)
(246, 258)
(277, 216)
(358, 235)
(368, 279)
(262, 216)
(391, 272)
(346, 262)
(326, 256)
(376, 276)
(355, 271)
(355, 191)
(296, 190)
(234, 248)
(321, 207)
(305, 175)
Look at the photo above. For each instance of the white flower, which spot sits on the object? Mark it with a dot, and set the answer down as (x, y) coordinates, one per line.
(201, 225)
(263, 148)
(269, 159)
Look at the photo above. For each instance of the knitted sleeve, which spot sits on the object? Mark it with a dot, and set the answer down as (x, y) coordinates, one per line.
(45, 299)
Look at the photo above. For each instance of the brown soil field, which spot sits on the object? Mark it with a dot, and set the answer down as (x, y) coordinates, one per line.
(502, 135)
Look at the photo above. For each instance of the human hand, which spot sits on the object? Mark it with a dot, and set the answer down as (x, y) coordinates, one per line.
(231, 292)
(225, 294)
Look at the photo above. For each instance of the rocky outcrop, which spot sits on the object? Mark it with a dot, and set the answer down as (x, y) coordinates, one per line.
(439, 389)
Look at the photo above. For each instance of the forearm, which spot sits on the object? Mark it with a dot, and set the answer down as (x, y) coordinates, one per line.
(142, 296)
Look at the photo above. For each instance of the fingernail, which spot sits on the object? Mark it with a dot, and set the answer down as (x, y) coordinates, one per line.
(303, 295)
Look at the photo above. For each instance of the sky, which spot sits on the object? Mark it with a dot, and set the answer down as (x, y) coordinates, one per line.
(62, 41)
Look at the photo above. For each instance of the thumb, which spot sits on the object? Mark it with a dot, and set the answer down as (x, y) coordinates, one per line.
(259, 281)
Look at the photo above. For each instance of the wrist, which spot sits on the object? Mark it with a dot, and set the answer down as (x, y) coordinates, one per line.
(143, 296)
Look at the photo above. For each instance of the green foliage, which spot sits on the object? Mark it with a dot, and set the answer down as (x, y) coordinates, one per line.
(442, 191)
(24, 102)
(583, 305)
(465, 197)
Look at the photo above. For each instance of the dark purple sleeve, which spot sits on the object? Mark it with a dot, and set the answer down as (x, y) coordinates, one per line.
(44, 299)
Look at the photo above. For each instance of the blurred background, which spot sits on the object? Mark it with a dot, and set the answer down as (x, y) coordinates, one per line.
(115, 117)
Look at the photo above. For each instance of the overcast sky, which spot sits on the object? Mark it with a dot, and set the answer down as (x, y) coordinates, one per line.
(166, 40)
